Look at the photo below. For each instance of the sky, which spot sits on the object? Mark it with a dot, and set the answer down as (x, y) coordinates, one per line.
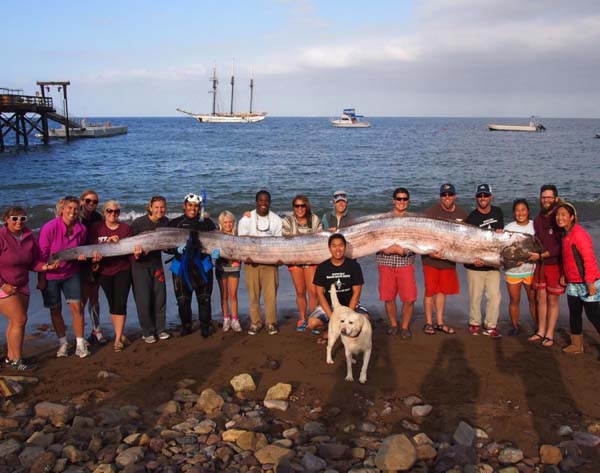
(462, 58)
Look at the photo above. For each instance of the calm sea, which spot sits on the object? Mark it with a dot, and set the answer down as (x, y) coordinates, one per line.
(174, 156)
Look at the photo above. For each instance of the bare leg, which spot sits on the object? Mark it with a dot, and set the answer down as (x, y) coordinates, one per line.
(391, 309)
(15, 310)
(78, 321)
(408, 309)
(313, 300)
(514, 292)
(532, 304)
(300, 286)
(542, 311)
(552, 315)
(440, 302)
(428, 308)
(57, 321)
(232, 289)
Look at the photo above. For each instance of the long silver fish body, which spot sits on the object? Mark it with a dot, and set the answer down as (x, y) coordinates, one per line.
(458, 242)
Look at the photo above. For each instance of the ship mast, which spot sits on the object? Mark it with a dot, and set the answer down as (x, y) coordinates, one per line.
(232, 82)
(214, 81)
(251, 87)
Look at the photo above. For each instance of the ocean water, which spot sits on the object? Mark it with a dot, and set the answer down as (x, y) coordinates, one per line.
(175, 156)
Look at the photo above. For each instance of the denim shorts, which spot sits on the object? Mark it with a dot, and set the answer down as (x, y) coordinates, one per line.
(70, 287)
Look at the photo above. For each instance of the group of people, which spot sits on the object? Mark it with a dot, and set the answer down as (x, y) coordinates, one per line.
(566, 263)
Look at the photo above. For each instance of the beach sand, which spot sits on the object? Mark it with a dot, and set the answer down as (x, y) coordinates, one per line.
(514, 389)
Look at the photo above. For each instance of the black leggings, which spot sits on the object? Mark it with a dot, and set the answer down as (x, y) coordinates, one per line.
(576, 306)
(116, 289)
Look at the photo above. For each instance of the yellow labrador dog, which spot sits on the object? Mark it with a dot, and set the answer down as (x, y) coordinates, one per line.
(356, 332)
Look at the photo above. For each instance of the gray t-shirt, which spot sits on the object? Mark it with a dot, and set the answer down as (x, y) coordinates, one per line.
(144, 224)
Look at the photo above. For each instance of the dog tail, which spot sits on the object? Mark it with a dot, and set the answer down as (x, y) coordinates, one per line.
(334, 298)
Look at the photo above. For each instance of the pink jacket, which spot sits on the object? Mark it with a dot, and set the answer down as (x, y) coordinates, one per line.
(583, 242)
(53, 238)
(18, 257)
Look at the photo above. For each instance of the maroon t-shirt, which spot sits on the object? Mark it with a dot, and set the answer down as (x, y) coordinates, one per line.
(100, 233)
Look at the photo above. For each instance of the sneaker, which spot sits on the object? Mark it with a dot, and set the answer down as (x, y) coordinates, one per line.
(185, 330)
(96, 338)
(226, 324)
(205, 331)
(20, 365)
(82, 351)
(492, 332)
(149, 339)
(164, 335)
(475, 329)
(254, 329)
(235, 325)
(272, 329)
(301, 326)
(63, 351)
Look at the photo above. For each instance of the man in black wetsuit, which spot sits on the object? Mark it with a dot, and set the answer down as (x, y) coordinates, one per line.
(200, 275)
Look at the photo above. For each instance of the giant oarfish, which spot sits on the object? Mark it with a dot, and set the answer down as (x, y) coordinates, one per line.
(458, 242)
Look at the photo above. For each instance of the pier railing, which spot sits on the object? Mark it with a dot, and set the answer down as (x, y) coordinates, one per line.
(27, 103)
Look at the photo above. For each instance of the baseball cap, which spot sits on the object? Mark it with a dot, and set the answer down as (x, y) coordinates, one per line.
(447, 189)
(340, 195)
(483, 189)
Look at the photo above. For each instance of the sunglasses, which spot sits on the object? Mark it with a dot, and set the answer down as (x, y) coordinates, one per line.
(299, 206)
(18, 218)
(337, 196)
(91, 201)
(113, 211)
(447, 194)
(401, 199)
(483, 196)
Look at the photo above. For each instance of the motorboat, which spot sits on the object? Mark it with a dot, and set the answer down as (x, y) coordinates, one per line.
(349, 119)
(533, 126)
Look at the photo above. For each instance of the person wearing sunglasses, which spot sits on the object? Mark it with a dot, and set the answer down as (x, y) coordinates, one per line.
(148, 275)
(90, 286)
(483, 279)
(338, 217)
(63, 232)
(192, 270)
(302, 222)
(115, 271)
(19, 254)
(441, 278)
(262, 278)
(396, 267)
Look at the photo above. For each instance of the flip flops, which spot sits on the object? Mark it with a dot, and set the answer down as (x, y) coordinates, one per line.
(428, 329)
(445, 329)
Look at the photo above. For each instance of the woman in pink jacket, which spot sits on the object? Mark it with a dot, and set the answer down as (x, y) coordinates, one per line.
(19, 254)
(581, 275)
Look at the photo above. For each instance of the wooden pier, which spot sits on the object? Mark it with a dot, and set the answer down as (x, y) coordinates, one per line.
(26, 114)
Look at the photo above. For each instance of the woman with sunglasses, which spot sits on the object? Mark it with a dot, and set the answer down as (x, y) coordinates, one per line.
(581, 273)
(19, 254)
(115, 271)
(90, 286)
(148, 275)
(64, 231)
(301, 222)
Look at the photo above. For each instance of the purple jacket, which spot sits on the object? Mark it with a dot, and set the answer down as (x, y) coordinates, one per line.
(550, 235)
(18, 257)
(53, 238)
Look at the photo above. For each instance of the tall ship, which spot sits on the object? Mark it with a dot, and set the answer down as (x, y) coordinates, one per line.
(231, 117)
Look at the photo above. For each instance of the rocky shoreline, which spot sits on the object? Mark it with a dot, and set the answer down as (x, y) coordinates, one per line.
(229, 429)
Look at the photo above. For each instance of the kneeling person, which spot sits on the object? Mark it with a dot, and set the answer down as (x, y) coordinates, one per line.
(347, 276)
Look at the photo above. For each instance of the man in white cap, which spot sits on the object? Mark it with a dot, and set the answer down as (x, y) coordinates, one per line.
(337, 218)
(484, 279)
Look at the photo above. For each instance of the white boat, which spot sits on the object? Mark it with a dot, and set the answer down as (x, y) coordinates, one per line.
(231, 117)
(350, 119)
(533, 126)
(89, 130)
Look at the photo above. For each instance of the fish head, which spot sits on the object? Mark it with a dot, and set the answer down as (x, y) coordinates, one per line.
(520, 251)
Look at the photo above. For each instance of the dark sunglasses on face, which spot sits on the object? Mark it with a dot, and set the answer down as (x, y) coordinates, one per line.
(447, 194)
(337, 196)
(299, 206)
(401, 199)
(113, 211)
(91, 201)
(18, 218)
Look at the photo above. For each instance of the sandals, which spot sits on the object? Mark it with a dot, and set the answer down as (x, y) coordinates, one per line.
(536, 337)
(405, 334)
(547, 342)
(428, 329)
(445, 329)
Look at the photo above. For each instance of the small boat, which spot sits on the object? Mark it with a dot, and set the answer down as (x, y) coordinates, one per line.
(597, 135)
(350, 119)
(231, 117)
(89, 130)
(533, 126)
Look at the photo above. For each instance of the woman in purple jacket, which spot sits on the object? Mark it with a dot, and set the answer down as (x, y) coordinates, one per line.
(65, 231)
(19, 254)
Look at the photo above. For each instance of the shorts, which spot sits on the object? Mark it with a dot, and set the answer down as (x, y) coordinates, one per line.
(295, 267)
(400, 281)
(116, 289)
(320, 314)
(547, 276)
(526, 279)
(440, 281)
(220, 275)
(70, 287)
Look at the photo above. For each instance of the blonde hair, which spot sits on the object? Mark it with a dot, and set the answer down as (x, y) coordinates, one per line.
(227, 214)
(110, 203)
(59, 207)
(88, 192)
